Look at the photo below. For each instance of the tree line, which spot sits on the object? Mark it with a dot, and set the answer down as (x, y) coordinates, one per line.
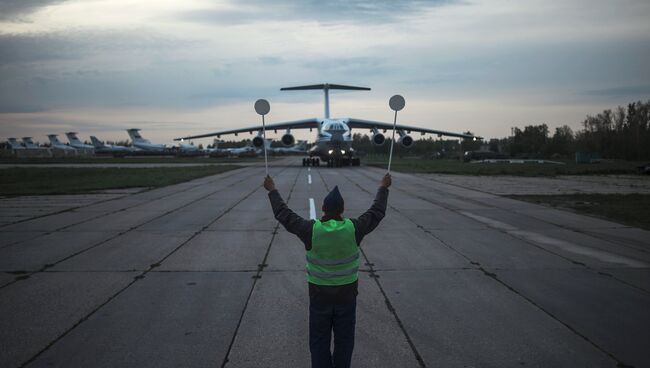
(622, 133)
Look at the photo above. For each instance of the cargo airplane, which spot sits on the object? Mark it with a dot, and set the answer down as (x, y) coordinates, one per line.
(333, 142)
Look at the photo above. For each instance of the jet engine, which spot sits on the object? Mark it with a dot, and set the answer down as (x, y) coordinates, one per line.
(258, 141)
(288, 139)
(406, 141)
(377, 138)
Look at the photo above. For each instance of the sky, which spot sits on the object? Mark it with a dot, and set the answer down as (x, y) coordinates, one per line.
(176, 68)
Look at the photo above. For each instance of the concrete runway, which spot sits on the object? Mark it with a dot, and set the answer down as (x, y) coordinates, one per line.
(199, 274)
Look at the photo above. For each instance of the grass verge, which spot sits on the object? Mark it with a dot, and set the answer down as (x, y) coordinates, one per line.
(628, 209)
(419, 165)
(37, 181)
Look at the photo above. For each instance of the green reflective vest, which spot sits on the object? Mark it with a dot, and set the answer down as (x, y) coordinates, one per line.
(334, 255)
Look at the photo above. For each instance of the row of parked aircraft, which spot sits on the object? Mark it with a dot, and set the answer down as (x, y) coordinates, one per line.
(141, 145)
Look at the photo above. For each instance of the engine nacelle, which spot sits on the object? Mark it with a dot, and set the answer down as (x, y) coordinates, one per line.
(288, 139)
(258, 142)
(378, 139)
(406, 141)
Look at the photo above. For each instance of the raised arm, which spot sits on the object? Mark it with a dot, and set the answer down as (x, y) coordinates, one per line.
(289, 219)
(367, 222)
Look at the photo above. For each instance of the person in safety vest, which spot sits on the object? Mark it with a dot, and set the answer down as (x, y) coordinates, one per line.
(332, 245)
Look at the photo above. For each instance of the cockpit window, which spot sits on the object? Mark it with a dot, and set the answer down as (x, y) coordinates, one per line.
(335, 126)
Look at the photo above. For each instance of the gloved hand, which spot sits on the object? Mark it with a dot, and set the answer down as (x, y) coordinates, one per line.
(386, 181)
(269, 184)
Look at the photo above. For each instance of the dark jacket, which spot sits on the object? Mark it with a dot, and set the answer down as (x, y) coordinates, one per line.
(301, 227)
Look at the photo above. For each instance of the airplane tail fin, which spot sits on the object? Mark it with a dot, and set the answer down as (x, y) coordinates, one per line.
(72, 138)
(29, 143)
(135, 135)
(325, 87)
(53, 139)
(96, 142)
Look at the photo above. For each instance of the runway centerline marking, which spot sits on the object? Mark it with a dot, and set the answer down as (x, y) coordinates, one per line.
(312, 209)
(309, 178)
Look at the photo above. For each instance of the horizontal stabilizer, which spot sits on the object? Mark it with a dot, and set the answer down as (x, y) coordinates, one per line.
(325, 86)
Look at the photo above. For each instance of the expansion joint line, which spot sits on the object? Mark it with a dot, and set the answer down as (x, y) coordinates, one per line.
(257, 276)
(103, 201)
(495, 277)
(119, 210)
(372, 273)
(138, 277)
(23, 275)
(472, 200)
(527, 241)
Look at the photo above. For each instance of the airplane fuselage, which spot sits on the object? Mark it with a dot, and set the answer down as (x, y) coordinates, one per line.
(334, 140)
(151, 147)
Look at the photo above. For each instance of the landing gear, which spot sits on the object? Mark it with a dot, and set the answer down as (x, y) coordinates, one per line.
(311, 161)
(344, 161)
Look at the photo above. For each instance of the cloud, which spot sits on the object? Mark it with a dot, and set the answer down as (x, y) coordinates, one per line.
(15, 10)
(324, 12)
(624, 91)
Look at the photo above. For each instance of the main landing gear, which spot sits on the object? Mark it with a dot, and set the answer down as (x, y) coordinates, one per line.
(343, 161)
(311, 161)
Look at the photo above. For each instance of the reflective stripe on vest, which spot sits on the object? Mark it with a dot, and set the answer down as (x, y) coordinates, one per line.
(332, 262)
(332, 274)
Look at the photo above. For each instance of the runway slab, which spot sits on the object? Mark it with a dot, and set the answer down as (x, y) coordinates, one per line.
(200, 274)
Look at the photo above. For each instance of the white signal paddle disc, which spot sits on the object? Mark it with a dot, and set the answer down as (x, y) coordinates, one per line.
(396, 103)
(262, 107)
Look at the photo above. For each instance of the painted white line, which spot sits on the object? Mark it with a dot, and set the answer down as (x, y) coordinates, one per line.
(312, 209)
(309, 178)
(309, 169)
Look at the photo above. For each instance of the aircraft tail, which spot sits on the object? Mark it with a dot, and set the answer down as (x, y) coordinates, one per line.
(135, 136)
(325, 87)
(29, 143)
(14, 144)
(96, 142)
(72, 138)
(53, 139)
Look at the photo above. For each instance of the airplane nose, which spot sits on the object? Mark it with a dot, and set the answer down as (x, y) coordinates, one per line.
(337, 137)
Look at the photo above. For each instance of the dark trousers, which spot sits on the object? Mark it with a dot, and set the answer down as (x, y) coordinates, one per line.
(323, 318)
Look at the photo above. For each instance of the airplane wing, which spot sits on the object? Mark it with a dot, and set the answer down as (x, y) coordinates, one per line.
(369, 124)
(296, 124)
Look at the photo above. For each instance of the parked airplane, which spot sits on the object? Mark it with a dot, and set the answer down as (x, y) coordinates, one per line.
(115, 150)
(29, 143)
(215, 151)
(334, 140)
(14, 144)
(56, 144)
(300, 147)
(77, 143)
(246, 151)
(144, 144)
(185, 149)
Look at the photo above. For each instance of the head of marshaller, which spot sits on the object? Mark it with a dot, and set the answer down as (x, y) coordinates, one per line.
(333, 204)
